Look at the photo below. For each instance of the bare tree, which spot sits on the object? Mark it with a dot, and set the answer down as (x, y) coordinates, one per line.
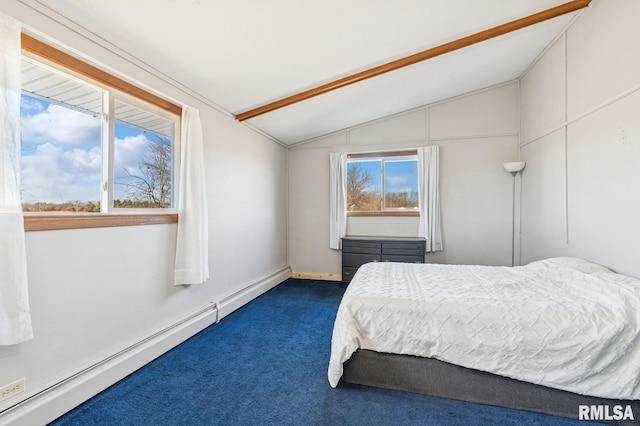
(359, 197)
(151, 185)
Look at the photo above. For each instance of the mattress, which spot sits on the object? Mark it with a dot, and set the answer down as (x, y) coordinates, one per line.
(563, 323)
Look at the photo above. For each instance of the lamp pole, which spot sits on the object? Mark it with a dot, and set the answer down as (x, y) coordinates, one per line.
(513, 220)
(513, 168)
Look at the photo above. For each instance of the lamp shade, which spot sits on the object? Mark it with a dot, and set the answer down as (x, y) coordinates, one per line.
(514, 167)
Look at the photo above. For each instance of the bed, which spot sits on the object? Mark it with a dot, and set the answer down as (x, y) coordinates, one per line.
(545, 337)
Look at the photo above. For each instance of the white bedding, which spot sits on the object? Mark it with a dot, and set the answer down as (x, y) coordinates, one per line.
(562, 322)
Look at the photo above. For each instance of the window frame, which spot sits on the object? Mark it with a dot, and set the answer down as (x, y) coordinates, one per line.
(108, 153)
(43, 54)
(383, 156)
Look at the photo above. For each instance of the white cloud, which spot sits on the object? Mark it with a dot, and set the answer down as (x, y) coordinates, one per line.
(62, 158)
(396, 180)
(128, 153)
(58, 124)
(51, 174)
(401, 183)
(30, 105)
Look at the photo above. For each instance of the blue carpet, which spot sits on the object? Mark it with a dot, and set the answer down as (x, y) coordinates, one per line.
(266, 364)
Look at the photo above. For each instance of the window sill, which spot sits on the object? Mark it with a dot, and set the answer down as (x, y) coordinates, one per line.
(52, 221)
(384, 214)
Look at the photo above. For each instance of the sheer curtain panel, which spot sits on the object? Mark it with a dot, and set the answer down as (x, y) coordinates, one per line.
(429, 196)
(192, 245)
(338, 199)
(15, 318)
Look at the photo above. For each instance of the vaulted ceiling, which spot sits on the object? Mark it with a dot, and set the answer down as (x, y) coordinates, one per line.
(243, 54)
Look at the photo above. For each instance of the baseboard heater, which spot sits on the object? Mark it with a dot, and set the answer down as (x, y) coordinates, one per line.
(47, 404)
(240, 298)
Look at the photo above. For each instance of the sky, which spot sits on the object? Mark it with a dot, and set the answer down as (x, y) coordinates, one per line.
(400, 175)
(62, 154)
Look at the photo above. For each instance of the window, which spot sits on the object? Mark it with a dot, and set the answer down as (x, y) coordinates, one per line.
(382, 183)
(143, 159)
(93, 143)
(60, 121)
(74, 159)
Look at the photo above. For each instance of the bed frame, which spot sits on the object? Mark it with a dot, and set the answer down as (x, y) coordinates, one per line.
(429, 376)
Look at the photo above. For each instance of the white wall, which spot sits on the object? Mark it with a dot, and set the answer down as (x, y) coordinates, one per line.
(95, 292)
(476, 134)
(581, 141)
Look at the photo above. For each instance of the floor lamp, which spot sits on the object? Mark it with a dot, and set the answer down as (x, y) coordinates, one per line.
(514, 168)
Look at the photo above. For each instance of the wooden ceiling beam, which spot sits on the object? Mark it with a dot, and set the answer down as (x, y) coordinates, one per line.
(463, 42)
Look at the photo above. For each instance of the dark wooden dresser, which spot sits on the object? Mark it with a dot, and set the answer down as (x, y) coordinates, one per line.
(357, 251)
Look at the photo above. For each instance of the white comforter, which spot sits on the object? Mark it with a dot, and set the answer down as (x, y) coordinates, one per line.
(563, 322)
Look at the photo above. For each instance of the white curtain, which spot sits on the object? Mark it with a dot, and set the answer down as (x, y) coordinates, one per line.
(192, 245)
(15, 317)
(429, 197)
(338, 199)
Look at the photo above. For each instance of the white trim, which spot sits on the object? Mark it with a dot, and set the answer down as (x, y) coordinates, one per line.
(565, 94)
(585, 114)
(261, 132)
(543, 135)
(427, 139)
(562, 33)
(45, 405)
(246, 295)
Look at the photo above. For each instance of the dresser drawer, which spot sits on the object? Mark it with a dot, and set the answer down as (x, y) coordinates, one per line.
(348, 273)
(404, 259)
(364, 247)
(357, 259)
(357, 251)
(413, 248)
(413, 251)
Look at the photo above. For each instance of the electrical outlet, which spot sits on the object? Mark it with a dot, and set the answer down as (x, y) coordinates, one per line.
(12, 389)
